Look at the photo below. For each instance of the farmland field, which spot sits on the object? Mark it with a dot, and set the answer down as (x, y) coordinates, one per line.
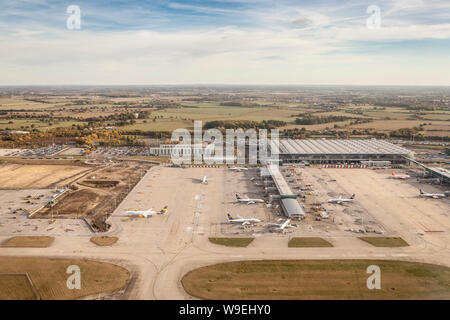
(18, 176)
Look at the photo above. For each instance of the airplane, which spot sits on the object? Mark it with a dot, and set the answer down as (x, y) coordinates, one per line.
(340, 200)
(281, 226)
(431, 195)
(148, 213)
(238, 168)
(242, 221)
(142, 214)
(249, 201)
(399, 176)
(203, 180)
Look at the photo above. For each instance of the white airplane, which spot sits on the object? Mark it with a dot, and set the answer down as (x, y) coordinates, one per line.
(399, 176)
(431, 195)
(148, 213)
(238, 168)
(249, 201)
(242, 221)
(142, 214)
(281, 226)
(341, 200)
(203, 180)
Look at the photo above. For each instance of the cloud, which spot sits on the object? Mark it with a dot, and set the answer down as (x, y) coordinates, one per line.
(268, 42)
(302, 21)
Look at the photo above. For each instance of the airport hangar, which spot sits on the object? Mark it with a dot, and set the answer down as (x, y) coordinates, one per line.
(339, 151)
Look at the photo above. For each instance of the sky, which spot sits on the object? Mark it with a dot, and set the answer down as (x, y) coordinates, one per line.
(284, 42)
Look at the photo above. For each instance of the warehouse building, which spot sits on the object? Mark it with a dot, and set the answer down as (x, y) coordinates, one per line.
(339, 151)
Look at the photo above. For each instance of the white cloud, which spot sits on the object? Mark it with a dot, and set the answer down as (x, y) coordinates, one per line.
(275, 51)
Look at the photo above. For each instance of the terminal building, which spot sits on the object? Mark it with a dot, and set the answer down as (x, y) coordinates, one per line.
(339, 151)
(289, 204)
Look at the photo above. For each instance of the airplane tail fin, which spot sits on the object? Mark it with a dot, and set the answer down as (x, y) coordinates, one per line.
(353, 196)
(229, 216)
(393, 173)
(237, 196)
(421, 191)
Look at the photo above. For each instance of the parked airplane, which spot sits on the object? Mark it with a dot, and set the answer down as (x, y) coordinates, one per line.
(340, 200)
(399, 176)
(249, 201)
(281, 226)
(238, 168)
(148, 213)
(431, 195)
(203, 180)
(142, 214)
(242, 221)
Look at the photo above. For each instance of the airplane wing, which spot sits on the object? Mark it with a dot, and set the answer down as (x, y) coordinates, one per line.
(239, 217)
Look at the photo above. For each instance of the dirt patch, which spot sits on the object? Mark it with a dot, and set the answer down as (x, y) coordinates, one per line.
(19, 176)
(99, 183)
(104, 241)
(28, 242)
(96, 198)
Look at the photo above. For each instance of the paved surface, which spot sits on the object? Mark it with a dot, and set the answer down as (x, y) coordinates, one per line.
(161, 249)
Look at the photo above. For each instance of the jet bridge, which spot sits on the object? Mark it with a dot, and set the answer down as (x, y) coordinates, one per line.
(289, 204)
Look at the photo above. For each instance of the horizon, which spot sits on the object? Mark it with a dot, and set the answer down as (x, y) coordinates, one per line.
(218, 42)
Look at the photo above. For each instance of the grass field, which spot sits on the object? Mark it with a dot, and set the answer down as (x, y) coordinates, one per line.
(232, 242)
(49, 277)
(16, 287)
(385, 241)
(28, 242)
(17, 176)
(104, 241)
(306, 242)
(317, 279)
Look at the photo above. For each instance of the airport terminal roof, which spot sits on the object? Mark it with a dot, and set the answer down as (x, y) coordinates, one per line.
(292, 208)
(440, 172)
(338, 146)
(279, 180)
